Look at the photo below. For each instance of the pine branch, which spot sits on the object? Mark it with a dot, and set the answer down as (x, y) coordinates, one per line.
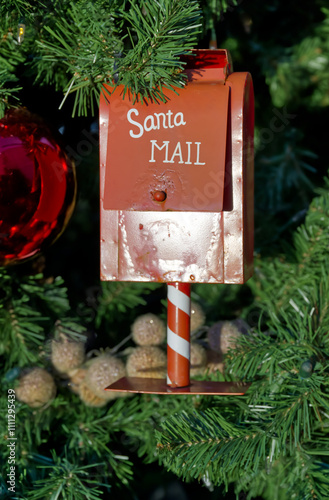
(21, 334)
(10, 57)
(214, 9)
(314, 478)
(22, 7)
(204, 444)
(198, 444)
(288, 404)
(298, 476)
(7, 94)
(291, 340)
(53, 295)
(92, 48)
(117, 298)
(303, 69)
(84, 42)
(285, 172)
(28, 308)
(71, 329)
(128, 424)
(304, 267)
(68, 481)
(160, 32)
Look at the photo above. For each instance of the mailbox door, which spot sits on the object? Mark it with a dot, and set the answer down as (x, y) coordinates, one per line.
(175, 148)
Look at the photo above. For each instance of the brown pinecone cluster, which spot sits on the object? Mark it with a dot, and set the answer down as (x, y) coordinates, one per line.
(147, 359)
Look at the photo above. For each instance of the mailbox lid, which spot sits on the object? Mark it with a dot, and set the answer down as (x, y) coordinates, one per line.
(177, 148)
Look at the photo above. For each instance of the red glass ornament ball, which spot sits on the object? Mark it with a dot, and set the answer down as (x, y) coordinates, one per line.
(37, 187)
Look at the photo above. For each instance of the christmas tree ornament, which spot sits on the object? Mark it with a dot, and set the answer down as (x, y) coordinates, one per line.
(37, 187)
(88, 397)
(147, 361)
(12, 374)
(198, 316)
(103, 371)
(223, 335)
(76, 376)
(215, 362)
(307, 367)
(21, 31)
(66, 354)
(198, 359)
(176, 182)
(148, 329)
(36, 388)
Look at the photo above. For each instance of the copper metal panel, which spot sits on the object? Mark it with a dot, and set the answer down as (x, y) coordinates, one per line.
(188, 246)
(109, 245)
(159, 386)
(171, 246)
(238, 222)
(248, 161)
(218, 60)
(176, 148)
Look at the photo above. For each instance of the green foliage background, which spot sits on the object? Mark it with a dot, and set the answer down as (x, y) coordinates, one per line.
(273, 442)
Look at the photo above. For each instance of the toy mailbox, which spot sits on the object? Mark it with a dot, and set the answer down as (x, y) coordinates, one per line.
(176, 182)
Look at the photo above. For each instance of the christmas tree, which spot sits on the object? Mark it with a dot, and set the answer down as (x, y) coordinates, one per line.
(65, 335)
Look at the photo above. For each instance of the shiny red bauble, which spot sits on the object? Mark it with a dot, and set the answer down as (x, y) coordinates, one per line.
(37, 187)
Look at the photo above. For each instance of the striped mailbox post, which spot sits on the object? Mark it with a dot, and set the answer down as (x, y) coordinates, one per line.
(178, 334)
(176, 182)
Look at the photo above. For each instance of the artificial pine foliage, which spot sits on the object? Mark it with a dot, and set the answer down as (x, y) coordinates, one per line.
(270, 444)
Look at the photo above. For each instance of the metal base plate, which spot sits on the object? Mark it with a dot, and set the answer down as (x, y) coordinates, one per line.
(159, 386)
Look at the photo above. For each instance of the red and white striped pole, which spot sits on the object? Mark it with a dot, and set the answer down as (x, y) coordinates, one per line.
(178, 334)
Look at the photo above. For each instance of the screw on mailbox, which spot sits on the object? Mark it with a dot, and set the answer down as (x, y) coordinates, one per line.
(159, 196)
(202, 136)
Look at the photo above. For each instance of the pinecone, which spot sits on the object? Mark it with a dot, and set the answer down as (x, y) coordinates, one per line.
(148, 329)
(66, 354)
(198, 316)
(36, 388)
(102, 372)
(198, 359)
(215, 362)
(147, 362)
(76, 378)
(223, 335)
(88, 397)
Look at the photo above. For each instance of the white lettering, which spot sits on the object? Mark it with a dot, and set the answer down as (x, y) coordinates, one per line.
(169, 114)
(177, 152)
(181, 122)
(198, 154)
(153, 122)
(188, 162)
(164, 145)
(149, 118)
(158, 120)
(130, 120)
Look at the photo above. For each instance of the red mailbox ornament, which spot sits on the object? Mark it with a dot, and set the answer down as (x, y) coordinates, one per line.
(176, 182)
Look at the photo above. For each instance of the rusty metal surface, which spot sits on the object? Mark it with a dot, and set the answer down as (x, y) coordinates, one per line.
(159, 386)
(238, 223)
(174, 246)
(186, 245)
